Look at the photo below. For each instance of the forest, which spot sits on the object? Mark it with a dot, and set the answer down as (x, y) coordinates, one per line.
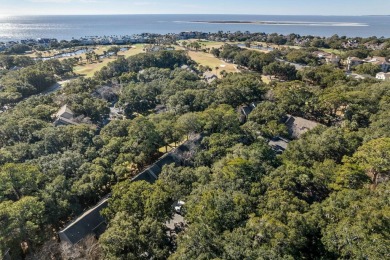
(325, 197)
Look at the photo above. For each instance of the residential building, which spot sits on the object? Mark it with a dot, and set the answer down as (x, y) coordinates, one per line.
(332, 59)
(245, 110)
(383, 76)
(278, 144)
(92, 222)
(89, 223)
(64, 116)
(353, 62)
(297, 126)
(209, 76)
(380, 61)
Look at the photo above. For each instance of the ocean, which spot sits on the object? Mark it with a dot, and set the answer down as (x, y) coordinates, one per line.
(68, 27)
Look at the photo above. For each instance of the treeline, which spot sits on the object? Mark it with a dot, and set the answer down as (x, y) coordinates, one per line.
(30, 77)
(163, 59)
(242, 200)
(332, 42)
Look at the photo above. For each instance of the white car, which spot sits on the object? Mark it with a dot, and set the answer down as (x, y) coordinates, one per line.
(178, 206)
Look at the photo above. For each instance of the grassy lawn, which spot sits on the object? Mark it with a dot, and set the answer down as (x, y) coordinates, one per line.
(89, 69)
(170, 147)
(207, 59)
(334, 51)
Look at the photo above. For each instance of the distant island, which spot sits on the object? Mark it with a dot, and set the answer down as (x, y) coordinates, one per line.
(282, 23)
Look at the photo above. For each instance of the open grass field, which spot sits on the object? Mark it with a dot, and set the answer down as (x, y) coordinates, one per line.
(89, 69)
(207, 59)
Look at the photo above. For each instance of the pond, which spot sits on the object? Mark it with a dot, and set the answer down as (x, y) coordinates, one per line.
(65, 54)
(259, 47)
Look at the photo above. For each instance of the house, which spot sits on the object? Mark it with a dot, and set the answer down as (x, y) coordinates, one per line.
(64, 116)
(358, 76)
(332, 59)
(245, 110)
(320, 54)
(113, 40)
(191, 35)
(380, 61)
(375, 46)
(185, 67)
(159, 109)
(209, 76)
(151, 174)
(92, 222)
(28, 41)
(297, 126)
(383, 76)
(350, 44)
(278, 144)
(87, 41)
(353, 62)
(46, 41)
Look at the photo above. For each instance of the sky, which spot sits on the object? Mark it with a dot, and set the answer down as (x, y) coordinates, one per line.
(272, 7)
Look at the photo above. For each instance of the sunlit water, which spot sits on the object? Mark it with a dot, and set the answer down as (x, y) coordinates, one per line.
(68, 27)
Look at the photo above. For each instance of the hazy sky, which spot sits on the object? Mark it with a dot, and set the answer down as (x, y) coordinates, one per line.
(304, 7)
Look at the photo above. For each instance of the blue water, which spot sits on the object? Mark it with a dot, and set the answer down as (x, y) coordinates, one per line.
(68, 27)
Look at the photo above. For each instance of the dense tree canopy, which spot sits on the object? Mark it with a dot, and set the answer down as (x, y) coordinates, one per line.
(324, 197)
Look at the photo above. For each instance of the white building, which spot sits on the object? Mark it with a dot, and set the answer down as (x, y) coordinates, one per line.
(383, 76)
(380, 61)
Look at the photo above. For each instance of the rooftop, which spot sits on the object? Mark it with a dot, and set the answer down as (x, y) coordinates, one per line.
(297, 126)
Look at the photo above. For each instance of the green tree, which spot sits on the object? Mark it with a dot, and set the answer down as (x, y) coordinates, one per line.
(368, 68)
(374, 158)
(238, 89)
(354, 223)
(19, 180)
(130, 238)
(21, 221)
(281, 71)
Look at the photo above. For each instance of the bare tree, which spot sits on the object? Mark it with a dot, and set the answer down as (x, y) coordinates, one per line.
(87, 249)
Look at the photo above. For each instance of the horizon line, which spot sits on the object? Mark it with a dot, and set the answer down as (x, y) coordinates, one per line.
(119, 14)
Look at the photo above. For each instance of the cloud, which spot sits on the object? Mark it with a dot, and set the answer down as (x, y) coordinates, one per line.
(143, 3)
(51, 1)
(68, 1)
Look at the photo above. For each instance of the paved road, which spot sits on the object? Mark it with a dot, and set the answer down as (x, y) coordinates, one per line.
(56, 87)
